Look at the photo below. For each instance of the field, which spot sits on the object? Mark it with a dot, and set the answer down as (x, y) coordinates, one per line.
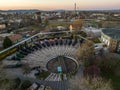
(58, 23)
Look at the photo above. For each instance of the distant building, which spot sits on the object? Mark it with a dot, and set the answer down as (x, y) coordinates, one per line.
(111, 37)
(2, 26)
(5, 35)
(92, 32)
(15, 38)
(100, 16)
(60, 28)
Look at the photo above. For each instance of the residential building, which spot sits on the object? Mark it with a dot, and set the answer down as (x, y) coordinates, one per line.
(92, 32)
(2, 26)
(111, 37)
(15, 38)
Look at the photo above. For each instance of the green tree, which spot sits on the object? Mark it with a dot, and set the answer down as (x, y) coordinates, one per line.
(7, 42)
(25, 85)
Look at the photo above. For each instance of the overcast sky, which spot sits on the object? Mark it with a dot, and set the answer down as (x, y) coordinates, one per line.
(59, 4)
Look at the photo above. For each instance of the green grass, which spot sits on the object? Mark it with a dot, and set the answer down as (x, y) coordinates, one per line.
(36, 27)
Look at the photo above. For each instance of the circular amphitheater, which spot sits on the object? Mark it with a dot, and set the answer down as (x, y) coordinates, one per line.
(51, 54)
(67, 64)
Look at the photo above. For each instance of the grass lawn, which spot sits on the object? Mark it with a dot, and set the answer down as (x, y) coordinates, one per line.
(36, 27)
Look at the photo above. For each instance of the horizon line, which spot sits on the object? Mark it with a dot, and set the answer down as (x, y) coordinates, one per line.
(59, 9)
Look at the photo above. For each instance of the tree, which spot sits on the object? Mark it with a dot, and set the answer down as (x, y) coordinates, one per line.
(25, 85)
(92, 71)
(8, 84)
(81, 83)
(7, 42)
(77, 24)
(108, 63)
(46, 22)
(100, 24)
(85, 52)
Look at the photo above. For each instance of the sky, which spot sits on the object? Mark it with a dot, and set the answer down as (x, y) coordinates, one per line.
(59, 4)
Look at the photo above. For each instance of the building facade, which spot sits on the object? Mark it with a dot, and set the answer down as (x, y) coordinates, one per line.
(111, 37)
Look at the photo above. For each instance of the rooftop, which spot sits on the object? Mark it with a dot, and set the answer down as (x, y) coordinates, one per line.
(112, 32)
(15, 37)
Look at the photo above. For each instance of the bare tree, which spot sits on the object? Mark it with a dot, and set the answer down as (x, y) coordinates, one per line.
(81, 83)
(108, 63)
(77, 24)
(86, 51)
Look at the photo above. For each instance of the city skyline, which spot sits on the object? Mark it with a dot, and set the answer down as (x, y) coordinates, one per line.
(59, 4)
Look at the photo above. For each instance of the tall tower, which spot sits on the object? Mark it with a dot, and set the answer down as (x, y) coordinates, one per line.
(75, 7)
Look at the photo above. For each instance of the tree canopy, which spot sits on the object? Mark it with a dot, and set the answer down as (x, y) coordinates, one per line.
(77, 24)
(83, 83)
(7, 42)
(85, 51)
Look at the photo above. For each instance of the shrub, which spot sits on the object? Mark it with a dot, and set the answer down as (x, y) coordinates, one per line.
(25, 85)
(92, 71)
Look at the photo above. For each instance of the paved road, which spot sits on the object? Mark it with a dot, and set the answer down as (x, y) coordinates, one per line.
(80, 71)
